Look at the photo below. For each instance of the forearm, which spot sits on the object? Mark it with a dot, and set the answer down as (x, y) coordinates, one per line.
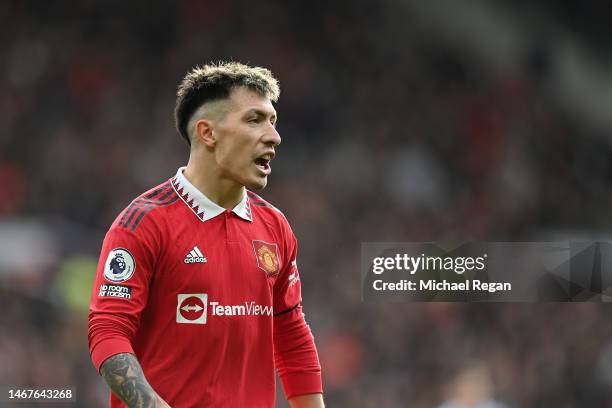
(295, 355)
(126, 379)
(307, 401)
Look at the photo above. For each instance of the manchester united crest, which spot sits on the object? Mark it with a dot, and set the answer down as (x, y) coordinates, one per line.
(267, 257)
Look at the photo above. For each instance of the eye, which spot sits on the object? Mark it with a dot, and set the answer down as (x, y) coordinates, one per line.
(253, 120)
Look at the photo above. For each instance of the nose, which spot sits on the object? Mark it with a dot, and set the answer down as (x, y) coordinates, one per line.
(272, 137)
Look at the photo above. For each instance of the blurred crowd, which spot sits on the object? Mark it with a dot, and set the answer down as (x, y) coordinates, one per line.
(389, 134)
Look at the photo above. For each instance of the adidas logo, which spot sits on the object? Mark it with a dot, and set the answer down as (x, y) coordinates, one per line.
(195, 256)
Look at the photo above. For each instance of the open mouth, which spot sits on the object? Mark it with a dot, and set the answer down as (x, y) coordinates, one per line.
(263, 162)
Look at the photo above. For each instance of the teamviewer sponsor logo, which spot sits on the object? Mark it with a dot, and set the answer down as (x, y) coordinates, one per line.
(191, 308)
(245, 309)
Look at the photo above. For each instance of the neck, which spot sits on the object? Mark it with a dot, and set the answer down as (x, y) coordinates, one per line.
(223, 192)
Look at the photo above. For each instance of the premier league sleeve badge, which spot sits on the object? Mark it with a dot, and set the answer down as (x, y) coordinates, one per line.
(120, 265)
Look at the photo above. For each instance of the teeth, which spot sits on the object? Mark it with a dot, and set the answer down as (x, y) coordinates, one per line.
(267, 156)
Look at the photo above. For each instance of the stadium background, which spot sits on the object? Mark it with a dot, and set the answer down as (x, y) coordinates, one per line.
(401, 121)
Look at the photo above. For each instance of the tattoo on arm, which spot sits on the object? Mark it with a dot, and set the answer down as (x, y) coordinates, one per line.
(125, 378)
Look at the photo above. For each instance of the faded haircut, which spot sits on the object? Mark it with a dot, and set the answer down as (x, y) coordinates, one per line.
(214, 82)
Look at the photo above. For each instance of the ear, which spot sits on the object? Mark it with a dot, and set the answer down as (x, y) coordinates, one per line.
(204, 132)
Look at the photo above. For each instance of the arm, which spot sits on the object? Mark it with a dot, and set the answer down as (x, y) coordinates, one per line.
(307, 401)
(125, 378)
(295, 356)
(114, 320)
(295, 353)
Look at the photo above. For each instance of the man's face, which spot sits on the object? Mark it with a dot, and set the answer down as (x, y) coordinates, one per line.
(246, 138)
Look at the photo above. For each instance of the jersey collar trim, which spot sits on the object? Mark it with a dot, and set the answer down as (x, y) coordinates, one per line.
(202, 206)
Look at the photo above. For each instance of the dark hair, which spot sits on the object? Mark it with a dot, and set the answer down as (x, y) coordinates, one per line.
(215, 82)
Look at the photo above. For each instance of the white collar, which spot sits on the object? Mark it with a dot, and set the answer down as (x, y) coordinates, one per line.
(201, 205)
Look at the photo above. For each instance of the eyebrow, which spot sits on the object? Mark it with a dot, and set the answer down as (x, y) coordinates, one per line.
(260, 112)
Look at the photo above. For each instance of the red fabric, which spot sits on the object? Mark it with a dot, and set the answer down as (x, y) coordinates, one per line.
(105, 346)
(295, 355)
(228, 360)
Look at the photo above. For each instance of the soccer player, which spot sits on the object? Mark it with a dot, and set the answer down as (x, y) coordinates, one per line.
(197, 297)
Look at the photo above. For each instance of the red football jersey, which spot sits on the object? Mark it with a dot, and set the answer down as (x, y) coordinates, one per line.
(207, 299)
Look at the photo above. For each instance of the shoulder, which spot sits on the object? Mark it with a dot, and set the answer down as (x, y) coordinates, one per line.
(267, 212)
(265, 208)
(142, 212)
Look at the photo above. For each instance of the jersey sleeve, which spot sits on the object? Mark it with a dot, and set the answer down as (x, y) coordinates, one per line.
(287, 288)
(295, 353)
(120, 291)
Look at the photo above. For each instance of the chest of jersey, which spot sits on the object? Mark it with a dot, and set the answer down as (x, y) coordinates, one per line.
(230, 259)
(211, 300)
